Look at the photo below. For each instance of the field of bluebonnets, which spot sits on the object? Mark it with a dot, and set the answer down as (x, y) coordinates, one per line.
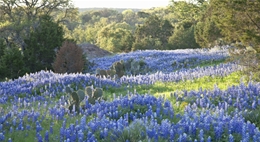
(186, 95)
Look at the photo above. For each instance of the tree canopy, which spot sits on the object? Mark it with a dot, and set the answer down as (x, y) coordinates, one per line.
(18, 18)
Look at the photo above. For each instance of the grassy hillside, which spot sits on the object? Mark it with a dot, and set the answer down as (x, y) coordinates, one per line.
(187, 95)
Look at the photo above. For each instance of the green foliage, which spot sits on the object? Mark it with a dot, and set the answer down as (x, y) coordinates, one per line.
(2, 47)
(115, 38)
(147, 43)
(129, 16)
(19, 18)
(132, 133)
(79, 35)
(11, 64)
(186, 10)
(253, 116)
(183, 39)
(153, 34)
(40, 48)
(237, 21)
(206, 30)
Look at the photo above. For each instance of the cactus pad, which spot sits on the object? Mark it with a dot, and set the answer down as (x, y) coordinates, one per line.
(91, 100)
(81, 95)
(68, 90)
(98, 93)
(75, 97)
(89, 91)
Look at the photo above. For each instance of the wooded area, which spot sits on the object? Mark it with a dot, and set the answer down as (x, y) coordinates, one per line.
(32, 31)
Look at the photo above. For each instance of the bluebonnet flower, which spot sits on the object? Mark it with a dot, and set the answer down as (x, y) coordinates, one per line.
(201, 135)
(46, 137)
(51, 129)
(2, 136)
(230, 138)
(39, 137)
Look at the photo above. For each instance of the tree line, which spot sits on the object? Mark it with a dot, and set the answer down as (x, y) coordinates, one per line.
(33, 31)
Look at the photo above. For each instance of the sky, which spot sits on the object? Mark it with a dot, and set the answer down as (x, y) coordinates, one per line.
(143, 4)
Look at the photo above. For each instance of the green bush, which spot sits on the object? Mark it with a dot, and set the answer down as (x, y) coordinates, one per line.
(11, 64)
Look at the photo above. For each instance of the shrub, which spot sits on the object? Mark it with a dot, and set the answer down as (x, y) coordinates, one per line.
(11, 64)
(69, 59)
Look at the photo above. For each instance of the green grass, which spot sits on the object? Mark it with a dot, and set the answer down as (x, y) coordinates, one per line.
(166, 88)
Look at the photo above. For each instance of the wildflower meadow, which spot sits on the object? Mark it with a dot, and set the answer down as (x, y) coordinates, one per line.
(184, 96)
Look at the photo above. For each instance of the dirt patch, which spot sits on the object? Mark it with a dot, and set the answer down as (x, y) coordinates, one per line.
(93, 51)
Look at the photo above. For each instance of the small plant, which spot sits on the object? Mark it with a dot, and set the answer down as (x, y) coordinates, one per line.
(76, 97)
(93, 94)
(253, 116)
(132, 133)
(111, 73)
(130, 66)
(101, 73)
(105, 73)
(119, 68)
(135, 67)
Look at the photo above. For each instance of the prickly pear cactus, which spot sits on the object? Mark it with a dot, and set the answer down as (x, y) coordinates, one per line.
(89, 91)
(77, 97)
(128, 64)
(135, 67)
(111, 73)
(98, 93)
(101, 73)
(93, 95)
(119, 68)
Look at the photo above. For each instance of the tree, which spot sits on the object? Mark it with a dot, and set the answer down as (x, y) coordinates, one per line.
(153, 29)
(239, 21)
(11, 63)
(129, 16)
(147, 43)
(79, 35)
(41, 44)
(69, 59)
(115, 37)
(183, 38)
(2, 47)
(239, 25)
(18, 18)
(207, 33)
